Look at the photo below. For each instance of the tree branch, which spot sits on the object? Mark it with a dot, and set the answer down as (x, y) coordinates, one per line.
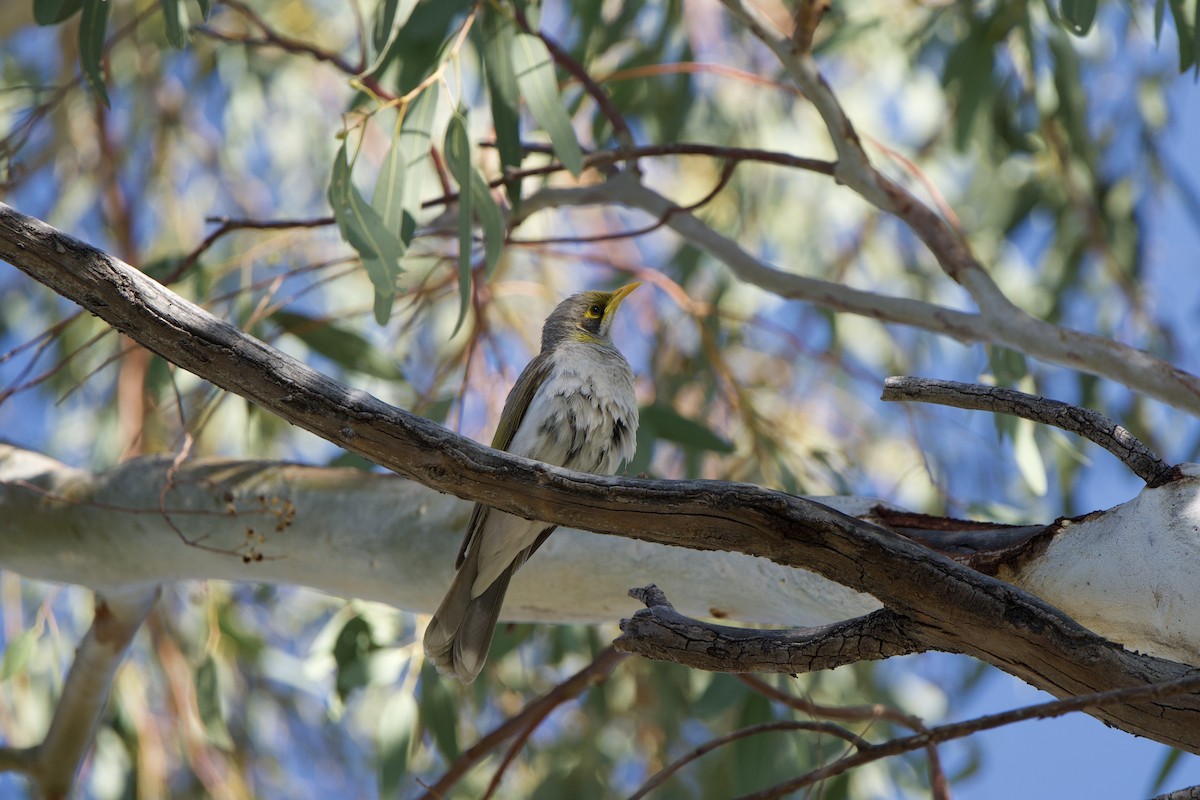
(1092, 425)
(527, 719)
(1086, 352)
(52, 765)
(662, 633)
(967, 612)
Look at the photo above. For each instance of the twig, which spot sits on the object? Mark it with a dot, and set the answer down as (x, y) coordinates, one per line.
(957, 730)
(722, 182)
(1091, 425)
(529, 717)
(660, 632)
(666, 772)
(937, 777)
(608, 108)
(53, 764)
(1086, 352)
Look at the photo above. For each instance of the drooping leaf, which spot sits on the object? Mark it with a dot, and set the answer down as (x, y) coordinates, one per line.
(439, 712)
(1029, 458)
(420, 44)
(93, 26)
(498, 34)
(1160, 6)
(175, 20)
(1079, 15)
(415, 141)
(338, 344)
(539, 87)
(672, 426)
(208, 703)
(205, 8)
(388, 196)
(351, 653)
(457, 150)
(390, 18)
(490, 217)
(17, 654)
(52, 12)
(397, 728)
(364, 229)
(1185, 30)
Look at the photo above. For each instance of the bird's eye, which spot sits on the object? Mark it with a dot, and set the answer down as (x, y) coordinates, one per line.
(594, 311)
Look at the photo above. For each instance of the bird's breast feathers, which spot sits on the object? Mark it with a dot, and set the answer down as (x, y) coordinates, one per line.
(584, 415)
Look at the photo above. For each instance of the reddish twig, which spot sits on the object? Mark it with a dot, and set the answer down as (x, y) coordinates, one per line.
(722, 182)
(957, 730)
(661, 776)
(600, 668)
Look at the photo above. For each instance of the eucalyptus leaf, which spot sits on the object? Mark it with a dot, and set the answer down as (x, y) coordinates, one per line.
(457, 150)
(93, 27)
(17, 654)
(208, 702)
(415, 142)
(498, 34)
(1079, 14)
(340, 345)
(365, 230)
(539, 87)
(52, 12)
(175, 21)
(672, 426)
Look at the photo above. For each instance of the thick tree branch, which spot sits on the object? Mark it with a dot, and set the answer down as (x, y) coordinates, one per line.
(967, 612)
(1091, 425)
(662, 633)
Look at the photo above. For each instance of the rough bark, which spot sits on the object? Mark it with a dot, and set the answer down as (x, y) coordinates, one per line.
(962, 611)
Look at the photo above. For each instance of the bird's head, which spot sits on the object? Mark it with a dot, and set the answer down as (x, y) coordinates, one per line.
(586, 317)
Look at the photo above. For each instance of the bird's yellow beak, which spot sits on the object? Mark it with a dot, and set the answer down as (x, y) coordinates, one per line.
(618, 296)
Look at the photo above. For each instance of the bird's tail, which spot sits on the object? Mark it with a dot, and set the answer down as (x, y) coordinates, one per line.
(460, 633)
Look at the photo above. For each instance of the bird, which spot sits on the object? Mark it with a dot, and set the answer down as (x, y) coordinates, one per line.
(572, 406)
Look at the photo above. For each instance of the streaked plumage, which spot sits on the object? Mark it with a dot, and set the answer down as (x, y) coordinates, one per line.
(572, 406)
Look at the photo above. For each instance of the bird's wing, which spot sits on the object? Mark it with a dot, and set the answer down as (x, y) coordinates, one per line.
(515, 406)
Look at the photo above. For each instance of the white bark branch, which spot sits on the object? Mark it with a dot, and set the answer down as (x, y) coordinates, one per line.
(355, 534)
(962, 610)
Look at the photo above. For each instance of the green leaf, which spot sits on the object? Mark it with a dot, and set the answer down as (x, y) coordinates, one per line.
(491, 217)
(92, 29)
(539, 87)
(498, 34)
(670, 425)
(1029, 458)
(52, 12)
(338, 344)
(362, 227)
(421, 43)
(397, 729)
(1008, 366)
(439, 712)
(388, 197)
(1160, 6)
(205, 8)
(175, 19)
(17, 654)
(390, 17)
(1079, 14)
(208, 702)
(457, 150)
(351, 653)
(1185, 30)
(1170, 761)
(415, 142)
